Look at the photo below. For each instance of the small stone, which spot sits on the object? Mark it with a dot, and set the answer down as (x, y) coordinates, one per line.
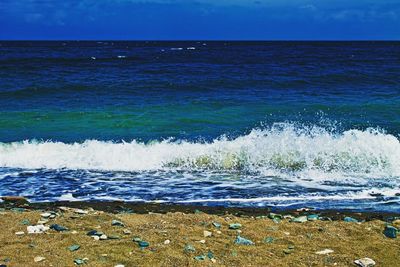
(117, 223)
(300, 219)
(287, 251)
(243, 241)
(37, 229)
(272, 216)
(94, 232)
(113, 237)
(202, 241)
(276, 220)
(127, 232)
(80, 211)
(20, 233)
(103, 237)
(349, 219)
(189, 248)
(96, 237)
(74, 232)
(25, 222)
(217, 225)
(286, 233)
(143, 244)
(219, 232)
(200, 258)
(312, 217)
(213, 260)
(324, 252)
(58, 228)
(365, 262)
(269, 240)
(74, 247)
(46, 215)
(207, 233)
(39, 259)
(167, 242)
(390, 231)
(235, 226)
(210, 255)
(80, 261)
(136, 239)
(119, 265)
(64, 208)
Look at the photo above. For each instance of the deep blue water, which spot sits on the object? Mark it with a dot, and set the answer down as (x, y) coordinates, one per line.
(255, 123)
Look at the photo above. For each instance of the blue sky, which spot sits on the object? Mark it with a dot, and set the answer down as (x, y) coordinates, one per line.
(201, 19)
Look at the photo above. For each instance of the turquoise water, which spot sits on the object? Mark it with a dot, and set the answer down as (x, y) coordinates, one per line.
(219, 123)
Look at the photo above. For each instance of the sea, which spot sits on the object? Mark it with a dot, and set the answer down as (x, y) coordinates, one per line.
(247, 124)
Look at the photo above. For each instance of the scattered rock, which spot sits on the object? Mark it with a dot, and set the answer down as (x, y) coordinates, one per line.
(350, 219)
(390, 231)
(272, 215)
(37, 229)
(243, 241)
(96, 237)
(207, 233)
(45, 215)
(143, 244)
(103, 237)
(81, 261)
(202, 241)
(117, 223)
(167, 242)
(127, 232)
(365, 262)
(217, 225)
(20, 233)
(200, 258)
(80, 211)
(58, 228)
(189, 248)
(74, 247)
(94, 233)
(119, 265)
(25, 222)
(113, 237)
(312, 217)
(235, 226)
(269, 240)
(39, 259)
(300, 219)
(136, 239)
(324, 252)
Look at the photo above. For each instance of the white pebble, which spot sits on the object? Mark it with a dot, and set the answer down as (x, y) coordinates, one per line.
(39, 259)
(166, 242)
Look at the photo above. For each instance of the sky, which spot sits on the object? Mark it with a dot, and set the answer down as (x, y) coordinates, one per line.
(200, 19)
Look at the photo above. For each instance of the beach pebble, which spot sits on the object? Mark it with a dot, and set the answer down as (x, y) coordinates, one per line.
(58, 228)
(96, 237)
(312, 217)
(20, 233)
(202, 241)
(46, 215)
(189, 248)
(324, 252)
(235, 226)
(37, 229)
(119, 265)
(365, 262)
(219, 232)
(117, 223)
(103, 237)
(42, 221)
(167, 242)
(390, 231)
(350, 219)
(243, 241)
(74, 232)
(127, 232)
(207, 233)
(80, 211)
(39, 259)
(80, 261)
(143, 244)
(74, 247)
(217, 225)
(200, 258)
(300, 219)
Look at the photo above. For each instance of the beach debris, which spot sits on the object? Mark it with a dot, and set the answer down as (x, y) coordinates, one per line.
(189, 248)
(312, 217)
(300, 219)
(216, 225)
(37, 229)
(117, 223)
(350, 219)
(390, 231)
(269, 240)
(200, 258)
(39, 259)
(20, 233)
(58, 228)
(207, 233)
(324, 252)
(127, 232)
(80, 261)
(167, 242)
(235, 226)
(80, 211)
(74, 248)
(365, 262)
(243, 241)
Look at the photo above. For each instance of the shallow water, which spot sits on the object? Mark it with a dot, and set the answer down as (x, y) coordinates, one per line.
(228, 123)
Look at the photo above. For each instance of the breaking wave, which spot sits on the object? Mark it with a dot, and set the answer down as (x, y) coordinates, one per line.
(282, 149)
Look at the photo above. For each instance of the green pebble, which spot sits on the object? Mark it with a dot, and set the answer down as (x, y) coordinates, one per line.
(269, 240)
(189, 248)
(74, 247)
(235, 226)
(200, 258)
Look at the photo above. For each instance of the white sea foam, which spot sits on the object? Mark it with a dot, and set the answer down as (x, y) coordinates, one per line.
(282, 150)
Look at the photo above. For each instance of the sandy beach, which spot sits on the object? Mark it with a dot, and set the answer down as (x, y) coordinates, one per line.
(123, 234)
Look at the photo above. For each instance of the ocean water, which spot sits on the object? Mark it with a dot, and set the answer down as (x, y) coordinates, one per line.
(280, 124)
